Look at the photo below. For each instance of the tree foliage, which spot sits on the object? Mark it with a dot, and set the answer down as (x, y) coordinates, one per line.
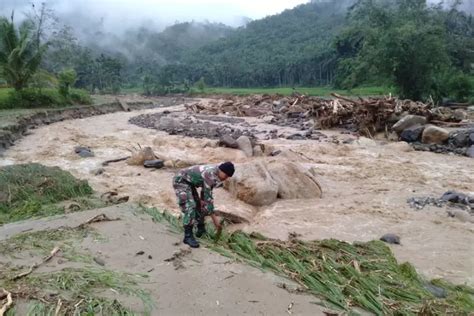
(20, 53)
(405, 43)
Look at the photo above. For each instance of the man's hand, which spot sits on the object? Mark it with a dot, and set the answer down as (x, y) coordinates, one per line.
(218, 226)
(216, 222)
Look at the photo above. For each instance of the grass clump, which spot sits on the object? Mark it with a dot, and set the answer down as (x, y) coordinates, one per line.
(80, 291)
(344, 275)
(33, 190)
(41, 98)
(42, 242)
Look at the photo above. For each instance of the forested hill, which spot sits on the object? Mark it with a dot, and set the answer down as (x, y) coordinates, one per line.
(293, 47)
(174, 41)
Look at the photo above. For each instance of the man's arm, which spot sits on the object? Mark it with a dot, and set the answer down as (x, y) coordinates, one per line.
(216, 222)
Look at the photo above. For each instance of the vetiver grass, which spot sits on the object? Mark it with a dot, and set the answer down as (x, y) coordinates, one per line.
(344, 275)
(33, 190)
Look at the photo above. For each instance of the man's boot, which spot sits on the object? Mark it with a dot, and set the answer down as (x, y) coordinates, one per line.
(189, 237)
(201, 230)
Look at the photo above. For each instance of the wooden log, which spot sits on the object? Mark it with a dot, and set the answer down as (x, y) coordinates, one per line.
(107, 162)
(4, 293)
(345, 99)
(123, 105)
(37, 265)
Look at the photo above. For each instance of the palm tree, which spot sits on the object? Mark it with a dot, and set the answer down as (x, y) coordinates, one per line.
(20, 53)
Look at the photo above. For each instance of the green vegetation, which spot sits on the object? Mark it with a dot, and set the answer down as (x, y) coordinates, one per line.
(421, 49)
(41, 98)
(33, 190)
(78, 288)
(20, 53)
(318, 91)
(344, 275)
(42, 242)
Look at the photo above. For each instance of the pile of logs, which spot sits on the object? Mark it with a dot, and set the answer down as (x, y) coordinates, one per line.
(367, 115)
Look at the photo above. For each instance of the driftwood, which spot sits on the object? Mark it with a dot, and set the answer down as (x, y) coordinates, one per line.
(123, 105)
(345, 99)
(107, 162)
(5, 294)
(37, 265)
(58, 307)
(98, 218)
(368, 116)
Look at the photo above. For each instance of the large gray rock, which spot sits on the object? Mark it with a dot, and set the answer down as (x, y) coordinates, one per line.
(461, 138)
(470, 152)
(293, 183)
(253, 184)
(434, 135)
(412, 134)
(408, 121)
(245, 145)
(228, 141)
(168, 122)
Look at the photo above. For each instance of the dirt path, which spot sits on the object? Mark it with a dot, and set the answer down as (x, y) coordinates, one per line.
(201, 283)
(366, 186)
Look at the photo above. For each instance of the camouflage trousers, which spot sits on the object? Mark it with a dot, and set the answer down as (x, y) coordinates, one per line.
(189, 202)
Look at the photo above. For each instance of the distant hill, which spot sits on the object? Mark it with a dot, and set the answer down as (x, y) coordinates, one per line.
(285, 49)
(173, 42)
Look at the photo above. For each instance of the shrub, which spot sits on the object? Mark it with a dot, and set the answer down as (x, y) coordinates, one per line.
(43, 98)
(460, 87)
(80, 96)
(66, 79)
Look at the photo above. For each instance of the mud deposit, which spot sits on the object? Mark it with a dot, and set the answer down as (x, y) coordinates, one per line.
(365, 184)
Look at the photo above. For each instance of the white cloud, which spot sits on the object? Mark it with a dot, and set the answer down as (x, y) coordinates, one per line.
(121, 14)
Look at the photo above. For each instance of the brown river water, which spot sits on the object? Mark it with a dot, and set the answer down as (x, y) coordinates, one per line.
(365, 184)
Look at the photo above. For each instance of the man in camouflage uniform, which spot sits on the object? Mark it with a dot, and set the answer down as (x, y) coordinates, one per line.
(195, 207)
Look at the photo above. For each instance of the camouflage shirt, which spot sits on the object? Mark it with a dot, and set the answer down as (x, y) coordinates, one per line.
(205, 177)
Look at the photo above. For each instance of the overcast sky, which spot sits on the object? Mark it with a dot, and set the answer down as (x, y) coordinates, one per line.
(121, 14)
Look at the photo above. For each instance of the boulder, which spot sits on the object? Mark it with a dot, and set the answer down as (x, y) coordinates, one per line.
(408, 121)
(292, 182)
(245, 145)
(168, 123)
(434, 135)
(470, 152)
(412, 134)
(461, 138)
(257, 151)
(228, 141)
(391, 239)
(261, 183)
(253, 184)
(156, 164)
(459, 115)
(84, 152)
(268, 119)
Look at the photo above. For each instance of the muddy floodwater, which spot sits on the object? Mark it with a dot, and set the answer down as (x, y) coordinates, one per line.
(365, 185)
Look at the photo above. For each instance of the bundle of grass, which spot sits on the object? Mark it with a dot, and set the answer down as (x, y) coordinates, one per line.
(78, 290)
(363, 275)
(31, 190)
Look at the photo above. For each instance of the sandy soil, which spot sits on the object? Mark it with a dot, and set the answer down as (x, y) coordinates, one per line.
(366, 185)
